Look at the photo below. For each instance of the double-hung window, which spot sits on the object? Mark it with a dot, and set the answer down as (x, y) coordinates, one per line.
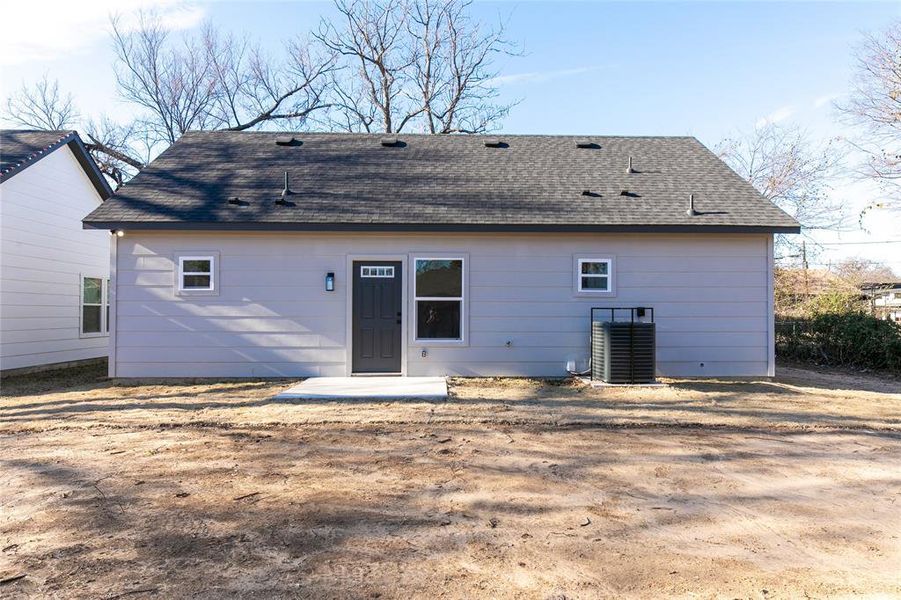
(196, 274)
(438, 297)
(595, 275)
(94, 306)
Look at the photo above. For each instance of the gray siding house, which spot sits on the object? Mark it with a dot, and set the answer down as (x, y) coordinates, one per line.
(263, 254)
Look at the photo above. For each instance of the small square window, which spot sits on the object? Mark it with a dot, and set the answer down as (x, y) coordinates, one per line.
(595, 274)
(195, 273)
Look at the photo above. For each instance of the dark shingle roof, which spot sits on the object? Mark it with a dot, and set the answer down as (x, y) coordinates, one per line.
(19, 149)
(353, 181)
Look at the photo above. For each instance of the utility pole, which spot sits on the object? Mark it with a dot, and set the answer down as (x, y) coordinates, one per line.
(804, 265)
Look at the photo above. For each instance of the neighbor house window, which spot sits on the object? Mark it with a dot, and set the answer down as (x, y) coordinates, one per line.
(439, 298)
(94, 306)
(595, 274)
(195, 273)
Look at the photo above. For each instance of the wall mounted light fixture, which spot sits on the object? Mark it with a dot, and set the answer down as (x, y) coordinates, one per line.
(329, 282)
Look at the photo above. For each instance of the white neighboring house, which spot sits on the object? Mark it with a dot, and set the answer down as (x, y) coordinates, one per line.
(885, 299)
(53, 274)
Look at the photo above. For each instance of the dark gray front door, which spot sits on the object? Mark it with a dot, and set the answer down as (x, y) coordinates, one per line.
(377, 302)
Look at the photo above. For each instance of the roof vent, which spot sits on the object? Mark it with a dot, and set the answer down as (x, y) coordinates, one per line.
(495, 143)
(389, 141)
(629, 169)
(629, 194)
(590, 193)
(288, 140)
(283, 199)
(691, 206)
(237, 202)
(587, 144)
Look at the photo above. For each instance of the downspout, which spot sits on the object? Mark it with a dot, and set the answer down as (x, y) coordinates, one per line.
(771, 309)
(113, 305)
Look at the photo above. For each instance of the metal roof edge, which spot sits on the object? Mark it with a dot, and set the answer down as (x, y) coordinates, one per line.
(430, 227)
(104, 190)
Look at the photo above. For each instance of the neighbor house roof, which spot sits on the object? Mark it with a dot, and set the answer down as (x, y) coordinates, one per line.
(19, 149)
(232, 180)
(880, 286)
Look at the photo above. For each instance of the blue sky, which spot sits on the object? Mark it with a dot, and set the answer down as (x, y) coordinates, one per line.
(704, 69)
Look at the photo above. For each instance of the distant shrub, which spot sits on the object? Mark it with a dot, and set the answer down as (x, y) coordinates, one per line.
(836, 334)
(835, 303)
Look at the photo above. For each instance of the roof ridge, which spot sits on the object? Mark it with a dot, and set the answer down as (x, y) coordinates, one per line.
(437, 135)
(63, 131)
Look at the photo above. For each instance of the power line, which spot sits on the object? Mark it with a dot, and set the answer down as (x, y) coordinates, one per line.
(871, 262)
(836, 262)
(856, 243)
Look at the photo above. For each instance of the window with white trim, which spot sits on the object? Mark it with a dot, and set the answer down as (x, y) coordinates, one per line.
(438, 296)
(595, 275)
(196, 273)
(94, 317)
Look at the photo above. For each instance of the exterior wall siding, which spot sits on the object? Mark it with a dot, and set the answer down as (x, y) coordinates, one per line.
(271, 315)
(43, 253)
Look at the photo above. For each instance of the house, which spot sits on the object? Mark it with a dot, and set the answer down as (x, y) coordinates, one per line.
(53, 274)
(252, 254)
(884, 299)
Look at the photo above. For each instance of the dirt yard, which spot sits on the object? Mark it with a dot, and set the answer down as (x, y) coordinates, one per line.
(511, 489)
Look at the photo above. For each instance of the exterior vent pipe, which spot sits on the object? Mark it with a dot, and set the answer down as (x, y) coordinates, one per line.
(630, 169)
(691, 206)
(283, 199)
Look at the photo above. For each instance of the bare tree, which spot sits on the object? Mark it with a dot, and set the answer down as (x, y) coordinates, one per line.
(384, 65)
(42, 106)
(173, 83)
(787, 169)
(453, 68)
(115, 147)
(208, 81)
(874, 105)
(371, 90)
(858, 271)
(213, 81)
(251, 88)
(413, 62)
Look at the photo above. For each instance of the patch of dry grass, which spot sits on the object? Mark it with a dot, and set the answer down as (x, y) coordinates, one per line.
(511, 488)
